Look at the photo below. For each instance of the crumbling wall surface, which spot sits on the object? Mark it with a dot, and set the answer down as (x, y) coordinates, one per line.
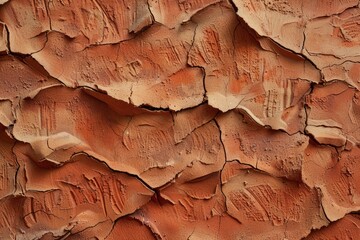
(179, 119)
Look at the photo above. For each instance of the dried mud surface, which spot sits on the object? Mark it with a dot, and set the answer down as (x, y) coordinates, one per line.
(179, 119)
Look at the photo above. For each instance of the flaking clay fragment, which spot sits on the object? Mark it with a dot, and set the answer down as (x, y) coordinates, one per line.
(7, 117)
(333, 112)
(250, 73)
(335, 176)
(172, 212)
(285, 21)
(140, 143)
(179, 119)
(21, 80)
(172, 12)
(348, 72)
(187, 121)
(326, 32)
(129, 70)
(342, 34)
(3, 39)
(268, 206)
(345, 228)
(27, 22)
(274, 152)
(100, 22)
(65, 199)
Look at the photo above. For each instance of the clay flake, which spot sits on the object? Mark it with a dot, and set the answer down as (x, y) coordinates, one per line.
(179, 119)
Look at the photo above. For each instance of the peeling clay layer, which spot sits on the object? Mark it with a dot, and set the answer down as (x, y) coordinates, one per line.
(207, 119)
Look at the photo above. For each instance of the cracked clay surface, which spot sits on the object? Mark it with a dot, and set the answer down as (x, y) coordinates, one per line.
(180, 119)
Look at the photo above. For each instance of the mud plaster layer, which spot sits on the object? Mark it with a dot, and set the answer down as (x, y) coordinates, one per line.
(207, 119)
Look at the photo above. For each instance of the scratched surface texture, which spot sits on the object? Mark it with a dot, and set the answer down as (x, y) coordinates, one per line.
(180, 119)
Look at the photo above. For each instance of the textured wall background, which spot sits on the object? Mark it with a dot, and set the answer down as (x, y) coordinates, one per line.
(179, 119)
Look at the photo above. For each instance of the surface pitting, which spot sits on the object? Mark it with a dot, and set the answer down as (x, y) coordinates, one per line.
(179, 119)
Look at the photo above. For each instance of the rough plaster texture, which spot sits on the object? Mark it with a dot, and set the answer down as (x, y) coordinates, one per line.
(180, 119)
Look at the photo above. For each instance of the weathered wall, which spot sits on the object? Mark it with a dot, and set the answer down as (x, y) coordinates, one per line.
(179, 119)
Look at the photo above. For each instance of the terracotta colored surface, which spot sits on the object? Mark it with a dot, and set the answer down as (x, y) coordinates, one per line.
(206, 119)
(345, 228)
